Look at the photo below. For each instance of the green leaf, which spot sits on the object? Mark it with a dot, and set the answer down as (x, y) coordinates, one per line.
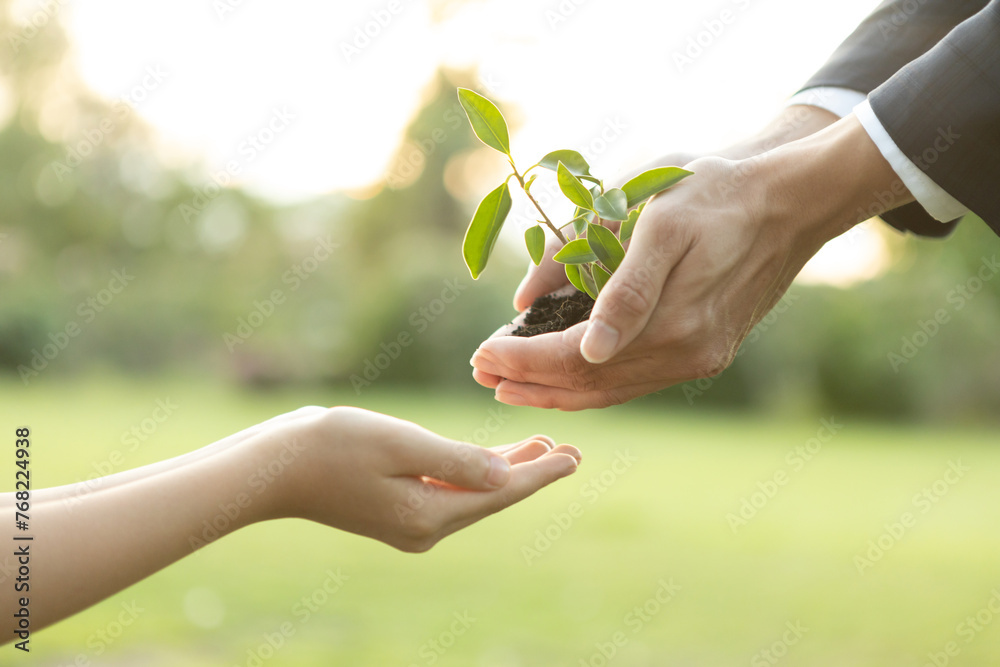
(576, 252)
(648, 183)
(580, 226)
(573, 274)
(601, 277)
(574, 162)
(589, 284)
(484, 229)
(574, 190)
(487, 121)
(534, 238)
(612, 205)
(529, 182)
(605, 245)
(625, 233)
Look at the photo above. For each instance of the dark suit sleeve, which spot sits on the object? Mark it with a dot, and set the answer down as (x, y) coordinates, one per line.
(943, 111)
(896, 33)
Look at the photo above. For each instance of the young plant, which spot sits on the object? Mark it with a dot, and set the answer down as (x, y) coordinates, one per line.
(591, 251)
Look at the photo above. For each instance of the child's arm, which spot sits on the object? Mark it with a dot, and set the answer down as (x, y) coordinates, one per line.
(343, 467)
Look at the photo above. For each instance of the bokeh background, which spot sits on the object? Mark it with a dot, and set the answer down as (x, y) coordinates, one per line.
(239, 205)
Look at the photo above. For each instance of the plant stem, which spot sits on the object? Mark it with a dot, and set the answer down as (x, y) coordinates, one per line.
(555, 230)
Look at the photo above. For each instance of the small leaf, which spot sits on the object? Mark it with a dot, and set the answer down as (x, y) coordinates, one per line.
(576, 252)
(589, 284)
(573, 274)
(534, 238)
(605, 245)
(487, 121)
(580, 226)
(528, 183)
(612, 205)
(484, 229)
(625, 233)
(574, 190)
(649, 183)
(601, 277)
(574, 162)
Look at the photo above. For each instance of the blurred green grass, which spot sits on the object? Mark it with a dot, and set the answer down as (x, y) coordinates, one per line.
(662, 518)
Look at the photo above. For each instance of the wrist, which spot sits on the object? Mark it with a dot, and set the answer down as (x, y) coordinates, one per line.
(256, 474)
(831, 180)
(791, 124)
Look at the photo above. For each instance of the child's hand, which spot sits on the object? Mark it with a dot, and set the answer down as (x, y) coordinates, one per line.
(394, 481)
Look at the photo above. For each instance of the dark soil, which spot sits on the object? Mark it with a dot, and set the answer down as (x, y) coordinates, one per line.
(555, 313)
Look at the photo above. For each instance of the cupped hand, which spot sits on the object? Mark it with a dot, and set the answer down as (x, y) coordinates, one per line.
(708, 259)
(549, 371)
(399, 483)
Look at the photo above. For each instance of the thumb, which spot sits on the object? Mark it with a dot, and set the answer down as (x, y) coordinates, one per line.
(457, 463)
(628, 299)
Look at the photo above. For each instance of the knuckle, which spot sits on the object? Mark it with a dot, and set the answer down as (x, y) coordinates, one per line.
(630, 296)
(546, 402)
(710, 361)
(569, 362)
(611, 397)
(687, 332)
(329, 421)
(337, 414)
(310, 411)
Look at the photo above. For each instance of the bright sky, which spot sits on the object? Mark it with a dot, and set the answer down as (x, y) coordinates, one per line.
(571, 69)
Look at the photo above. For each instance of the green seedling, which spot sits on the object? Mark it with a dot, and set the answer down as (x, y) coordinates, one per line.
(591, 251)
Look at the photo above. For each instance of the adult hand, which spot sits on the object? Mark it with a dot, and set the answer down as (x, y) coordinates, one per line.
(549, 276)
(709, 258)
(792, 123)
(392, 480)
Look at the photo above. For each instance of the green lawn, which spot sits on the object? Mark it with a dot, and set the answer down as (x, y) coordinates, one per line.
(661, 519)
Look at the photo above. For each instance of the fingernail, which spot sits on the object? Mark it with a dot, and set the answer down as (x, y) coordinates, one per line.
(598, 342)
(570, 470)
(499, 472)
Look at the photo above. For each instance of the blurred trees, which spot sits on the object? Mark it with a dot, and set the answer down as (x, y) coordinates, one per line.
(372, 288)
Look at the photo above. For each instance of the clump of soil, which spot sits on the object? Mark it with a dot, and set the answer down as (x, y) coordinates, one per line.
(555, 313)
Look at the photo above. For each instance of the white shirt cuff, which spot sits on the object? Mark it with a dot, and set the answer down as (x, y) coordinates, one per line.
(838, 101)
(939, 204)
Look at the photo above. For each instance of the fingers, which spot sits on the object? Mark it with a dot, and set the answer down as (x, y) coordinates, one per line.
(528, 451)
(547, 277)
(526, 479)
(508, 448)
(487, 380)
(459, 464)
(628, 300)
(548, 359)
(543, 396)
